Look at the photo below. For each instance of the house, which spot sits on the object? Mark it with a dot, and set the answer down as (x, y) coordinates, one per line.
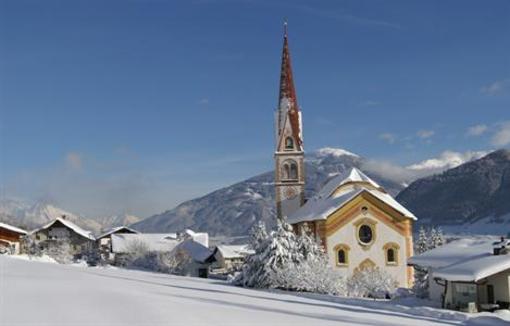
(10, 237)
(469, 274)
(193, 257)
(62, 232)
(358, 223)
(124, 244)
(104, 241)
(230, 258)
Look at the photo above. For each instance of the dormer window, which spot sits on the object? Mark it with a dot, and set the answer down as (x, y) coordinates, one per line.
(289, 143)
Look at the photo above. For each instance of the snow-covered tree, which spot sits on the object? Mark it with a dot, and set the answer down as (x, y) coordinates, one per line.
(371, 282)
(426, 241)
(436, 237)
(422, 244)
(272, 256)
(286, 261)
(258, 234)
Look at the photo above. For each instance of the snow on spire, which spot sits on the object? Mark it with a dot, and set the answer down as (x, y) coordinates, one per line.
(287, 100)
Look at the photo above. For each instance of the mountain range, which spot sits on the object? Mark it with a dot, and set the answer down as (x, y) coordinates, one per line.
(473, 196)
(28, 216)
(233, 210)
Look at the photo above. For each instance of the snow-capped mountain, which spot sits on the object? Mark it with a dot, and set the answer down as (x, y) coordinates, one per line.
(232, 211)
(474, 196)
(111, 221)
(29, 216)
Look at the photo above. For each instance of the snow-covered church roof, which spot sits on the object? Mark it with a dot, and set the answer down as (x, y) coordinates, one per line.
(468, 260)
(339, 191)
(70, 225)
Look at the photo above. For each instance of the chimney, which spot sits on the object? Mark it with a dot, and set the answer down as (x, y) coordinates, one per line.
(64, 217)
(499, 248)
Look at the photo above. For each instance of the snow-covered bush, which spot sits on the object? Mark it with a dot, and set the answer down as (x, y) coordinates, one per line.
(371, 282)
(60, 250)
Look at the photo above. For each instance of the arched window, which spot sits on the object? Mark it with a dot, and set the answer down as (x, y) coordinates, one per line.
(289, 143)
(391, 253)
(293, 171)
(290, 170)
(342, 255)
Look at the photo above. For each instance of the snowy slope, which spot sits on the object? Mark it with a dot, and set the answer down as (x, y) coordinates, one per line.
(40, 294)
(233, 210)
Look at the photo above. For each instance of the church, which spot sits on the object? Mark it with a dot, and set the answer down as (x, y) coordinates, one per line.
(358, 223)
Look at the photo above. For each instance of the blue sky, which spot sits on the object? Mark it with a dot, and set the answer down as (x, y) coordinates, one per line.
(134, 106)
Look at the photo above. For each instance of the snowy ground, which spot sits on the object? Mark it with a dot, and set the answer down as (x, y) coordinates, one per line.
(41, 293)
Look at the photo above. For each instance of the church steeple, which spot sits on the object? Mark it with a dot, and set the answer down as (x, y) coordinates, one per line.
(289, 155)
(287, 100)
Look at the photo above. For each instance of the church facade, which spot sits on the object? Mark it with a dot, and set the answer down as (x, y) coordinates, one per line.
(358, 223)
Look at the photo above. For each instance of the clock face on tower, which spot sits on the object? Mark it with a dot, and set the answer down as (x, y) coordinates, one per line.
(289, 192)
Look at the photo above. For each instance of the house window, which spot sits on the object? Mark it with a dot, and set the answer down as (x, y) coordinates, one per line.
(365, 234)
(391, 253)
(289, 143)
(342, 255)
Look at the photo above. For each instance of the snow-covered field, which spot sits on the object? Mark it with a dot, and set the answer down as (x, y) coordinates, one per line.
(42, 293)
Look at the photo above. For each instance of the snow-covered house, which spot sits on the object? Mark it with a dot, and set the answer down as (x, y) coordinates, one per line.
(469, 274)
(104, 241)
(10, 237)
(230, 257)
(360, 225)
(195, 258)
(62, 232)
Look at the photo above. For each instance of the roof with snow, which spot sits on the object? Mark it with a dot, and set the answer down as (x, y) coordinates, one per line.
(68, 224)
(154, 241)
(117, 229)
(234, 251)
(468, 260)
(338, 192)
(12, 228)
(195, 250)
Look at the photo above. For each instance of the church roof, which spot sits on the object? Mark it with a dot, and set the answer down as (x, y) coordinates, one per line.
(328, 201)
(351, 176)
(287, 100)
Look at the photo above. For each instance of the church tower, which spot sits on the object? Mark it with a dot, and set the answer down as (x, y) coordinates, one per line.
(289, 154)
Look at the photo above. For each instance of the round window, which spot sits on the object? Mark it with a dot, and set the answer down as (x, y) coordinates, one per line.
(365, 234)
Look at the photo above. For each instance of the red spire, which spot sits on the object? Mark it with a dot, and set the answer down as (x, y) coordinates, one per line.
(287, 100)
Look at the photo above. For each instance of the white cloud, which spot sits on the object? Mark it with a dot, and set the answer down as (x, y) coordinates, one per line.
(502, 135)
(406, 175)
(477, 130)
(203, 101)
(425, 134)
(73, 160)
(388, 137)
(495, 88)
(446, 160)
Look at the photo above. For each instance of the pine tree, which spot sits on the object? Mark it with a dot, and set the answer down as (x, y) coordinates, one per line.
(422, 244)
(436, 237)
(272, 255)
